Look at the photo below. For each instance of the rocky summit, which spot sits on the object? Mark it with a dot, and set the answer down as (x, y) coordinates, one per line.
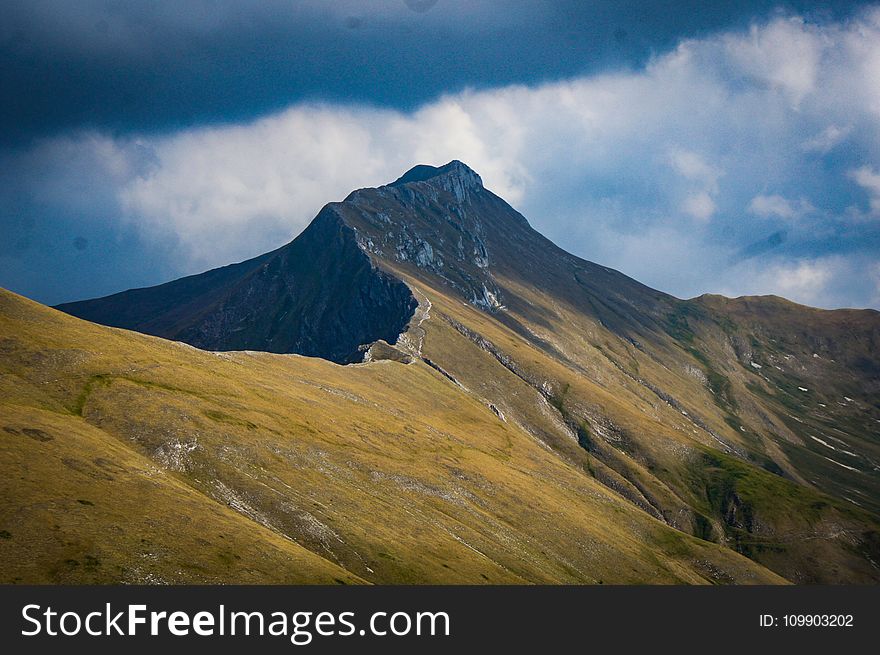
(509, 413)
(333, 290)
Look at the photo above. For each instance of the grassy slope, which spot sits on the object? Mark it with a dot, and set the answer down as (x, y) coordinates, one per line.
(750, 422)
(130, 458)
(702, 457)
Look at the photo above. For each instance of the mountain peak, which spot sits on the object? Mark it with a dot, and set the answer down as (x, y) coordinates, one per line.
(455, 174)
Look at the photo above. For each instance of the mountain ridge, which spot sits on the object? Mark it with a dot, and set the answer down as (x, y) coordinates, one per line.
(454, 178)
(748, 423)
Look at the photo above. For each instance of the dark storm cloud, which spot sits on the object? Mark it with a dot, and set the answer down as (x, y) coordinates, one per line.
(126, 65)
(146, 141)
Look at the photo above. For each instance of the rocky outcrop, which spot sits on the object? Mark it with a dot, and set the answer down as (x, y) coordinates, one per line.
(335, 289)
(436, 223)
(321, 295)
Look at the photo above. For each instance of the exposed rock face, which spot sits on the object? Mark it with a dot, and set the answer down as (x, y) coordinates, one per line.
(442, 226)
(320, 295)
(435, 223)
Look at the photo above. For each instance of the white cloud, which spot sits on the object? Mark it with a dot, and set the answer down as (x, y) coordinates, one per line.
(699, 134)
(226, 191)
(699, 205)
(870, 181)
(828, 139)
(692, 166)
(830, 281)
(803, 281)
(767, 206)
(785, 55)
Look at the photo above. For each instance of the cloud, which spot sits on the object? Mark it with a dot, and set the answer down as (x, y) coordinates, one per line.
(129, 65)
(826, 140)
(805, 280)
(682, 150)
(870, 181)
(767, 206)
(699, 205)
(830, 281)
(692, 167)
(761, 246)
(231, 192)
(784, 55)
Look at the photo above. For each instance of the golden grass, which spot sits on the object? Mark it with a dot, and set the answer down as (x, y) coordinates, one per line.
(131, 458)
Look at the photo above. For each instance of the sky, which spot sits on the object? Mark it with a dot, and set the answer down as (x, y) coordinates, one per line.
(698, 146)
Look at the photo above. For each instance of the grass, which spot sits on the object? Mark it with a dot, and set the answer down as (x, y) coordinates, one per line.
(198, 467)
(651, 448)
(249, 467)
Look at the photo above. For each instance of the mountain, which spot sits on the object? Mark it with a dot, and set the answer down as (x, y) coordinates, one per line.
(510, 412)
(341, 284)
